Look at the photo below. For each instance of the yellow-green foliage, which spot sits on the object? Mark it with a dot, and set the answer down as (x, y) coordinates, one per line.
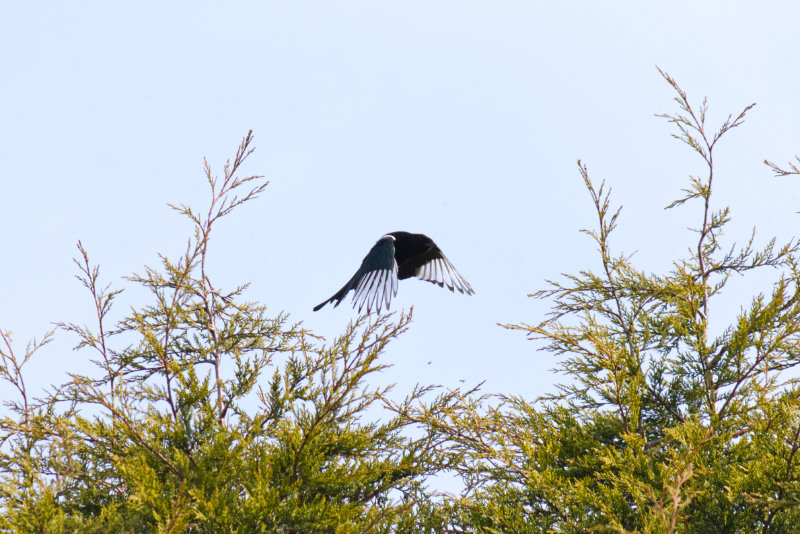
(660, 427)
(209, 413)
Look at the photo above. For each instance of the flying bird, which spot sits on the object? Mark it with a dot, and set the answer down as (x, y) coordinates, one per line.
(397, 256)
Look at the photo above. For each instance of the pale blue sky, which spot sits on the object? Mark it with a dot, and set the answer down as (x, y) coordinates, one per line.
(461, 120)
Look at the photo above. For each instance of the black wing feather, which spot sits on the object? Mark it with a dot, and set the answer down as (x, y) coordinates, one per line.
(375, 282)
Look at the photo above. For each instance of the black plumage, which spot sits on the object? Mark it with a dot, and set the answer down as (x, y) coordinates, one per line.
(397, 256)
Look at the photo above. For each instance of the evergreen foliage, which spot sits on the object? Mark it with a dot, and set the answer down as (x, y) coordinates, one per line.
(662, 425)
(209, 413)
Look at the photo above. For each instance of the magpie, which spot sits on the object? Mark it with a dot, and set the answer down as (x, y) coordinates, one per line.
(397, 256)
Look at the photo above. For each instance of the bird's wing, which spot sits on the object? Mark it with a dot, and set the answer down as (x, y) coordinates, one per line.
(375, 282)
(432, 266)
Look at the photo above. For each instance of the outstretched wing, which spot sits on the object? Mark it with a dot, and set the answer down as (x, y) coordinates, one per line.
(432, 266)
(375, 282)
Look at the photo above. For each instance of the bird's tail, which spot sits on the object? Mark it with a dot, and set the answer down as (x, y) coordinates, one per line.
(339, 295)
(319, 306)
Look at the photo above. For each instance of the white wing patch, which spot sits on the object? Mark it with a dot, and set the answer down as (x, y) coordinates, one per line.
(441, 272)
(376, 288)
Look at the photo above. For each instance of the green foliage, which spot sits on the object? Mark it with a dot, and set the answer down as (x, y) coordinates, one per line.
(665, 424)
(209, 413)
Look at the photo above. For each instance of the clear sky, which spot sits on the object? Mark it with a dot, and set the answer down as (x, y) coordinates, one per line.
(462, 120)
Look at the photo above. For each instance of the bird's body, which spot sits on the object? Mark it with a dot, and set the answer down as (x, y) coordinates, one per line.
(397, 256)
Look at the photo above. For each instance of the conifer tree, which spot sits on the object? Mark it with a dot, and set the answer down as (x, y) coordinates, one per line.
(207, 412)
(663, 424)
